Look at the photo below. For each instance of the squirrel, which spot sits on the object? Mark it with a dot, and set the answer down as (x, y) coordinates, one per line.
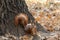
(21, 19)
(31, 29)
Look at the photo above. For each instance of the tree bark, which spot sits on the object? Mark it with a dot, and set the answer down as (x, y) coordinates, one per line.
(8, 10)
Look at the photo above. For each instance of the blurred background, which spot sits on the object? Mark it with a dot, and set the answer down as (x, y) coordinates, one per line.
(46, 12)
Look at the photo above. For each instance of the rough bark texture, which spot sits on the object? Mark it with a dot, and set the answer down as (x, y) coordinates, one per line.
(8, 10)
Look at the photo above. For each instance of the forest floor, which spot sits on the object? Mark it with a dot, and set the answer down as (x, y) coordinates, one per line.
(48, 15)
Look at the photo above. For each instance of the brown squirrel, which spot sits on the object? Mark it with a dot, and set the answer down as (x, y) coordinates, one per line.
(21, 19)
(30, 29)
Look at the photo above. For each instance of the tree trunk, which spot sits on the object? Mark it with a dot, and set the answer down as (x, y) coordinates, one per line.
(8, 10)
